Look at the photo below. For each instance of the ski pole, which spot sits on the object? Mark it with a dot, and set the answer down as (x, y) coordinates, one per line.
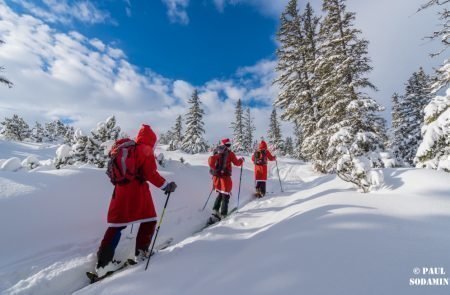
(131, 230)
(240, 180)
(208, 199)
(279, 178)
(157, 230)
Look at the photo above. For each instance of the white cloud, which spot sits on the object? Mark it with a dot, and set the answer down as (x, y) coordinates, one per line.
(86, 80)
(65, 11)
(176, 10)
(272, 8)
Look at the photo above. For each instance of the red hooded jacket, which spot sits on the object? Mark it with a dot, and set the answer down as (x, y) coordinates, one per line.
(261, 170)
(224, 184)
(132, 202)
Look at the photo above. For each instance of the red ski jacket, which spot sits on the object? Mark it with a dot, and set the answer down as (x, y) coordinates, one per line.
(261, 170)
(132, 202)
(224, 184)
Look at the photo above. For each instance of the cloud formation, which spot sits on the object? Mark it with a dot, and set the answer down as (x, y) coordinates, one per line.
(85, 80)
(176, 10)
(66, 11)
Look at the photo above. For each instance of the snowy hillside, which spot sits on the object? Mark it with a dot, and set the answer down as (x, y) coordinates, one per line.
(318, 237)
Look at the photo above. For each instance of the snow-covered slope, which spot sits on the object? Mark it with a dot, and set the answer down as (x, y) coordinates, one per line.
(318, 237)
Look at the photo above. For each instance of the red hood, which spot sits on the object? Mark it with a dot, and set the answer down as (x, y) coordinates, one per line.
(263, 145)
(146, 136)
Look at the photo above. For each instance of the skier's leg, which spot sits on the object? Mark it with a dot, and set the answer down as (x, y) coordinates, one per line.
(111, 239)
(224, 208)
(263, 188)
(258, 189)
(217, 202)
(144, 236)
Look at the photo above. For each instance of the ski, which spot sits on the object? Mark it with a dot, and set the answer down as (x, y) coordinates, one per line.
(94, 278)
(208, 223)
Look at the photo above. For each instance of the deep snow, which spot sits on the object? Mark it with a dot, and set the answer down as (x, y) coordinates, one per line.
(319, 237)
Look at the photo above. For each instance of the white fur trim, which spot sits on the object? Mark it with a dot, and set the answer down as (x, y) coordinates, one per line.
(136, 221)
(222, 192)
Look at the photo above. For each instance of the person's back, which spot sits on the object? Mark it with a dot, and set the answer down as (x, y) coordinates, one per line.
(260, 158)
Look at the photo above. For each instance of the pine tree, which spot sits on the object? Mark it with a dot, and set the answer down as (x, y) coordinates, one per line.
(3, 79)
(298, 141)
(69, 134)
(176, 135)
(397, 131)
(50, 132)
(345, 108)
(289, 147)
(193, 141)
(442, 78)
(238, 129)
(249, 129)
(100, 141)
(79, 149)
(37, 133)
(274, 134)
(411, 116)
(15, 128)
(297, 59)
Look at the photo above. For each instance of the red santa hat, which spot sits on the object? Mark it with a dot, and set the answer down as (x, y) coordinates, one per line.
(226, 141)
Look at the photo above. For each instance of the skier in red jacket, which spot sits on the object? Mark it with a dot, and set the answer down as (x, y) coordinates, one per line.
(220, 167)
(260, 158)
(132, 203)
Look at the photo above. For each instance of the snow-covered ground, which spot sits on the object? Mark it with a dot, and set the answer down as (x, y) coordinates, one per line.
(318, 237)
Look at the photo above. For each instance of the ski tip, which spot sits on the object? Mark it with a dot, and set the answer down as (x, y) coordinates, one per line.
(92, 277)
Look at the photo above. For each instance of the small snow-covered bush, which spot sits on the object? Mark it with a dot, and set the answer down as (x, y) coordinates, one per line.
(12, 164)
(30, 162)
(63, 156)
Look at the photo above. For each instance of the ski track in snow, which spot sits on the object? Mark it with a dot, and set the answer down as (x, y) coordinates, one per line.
(319, 235)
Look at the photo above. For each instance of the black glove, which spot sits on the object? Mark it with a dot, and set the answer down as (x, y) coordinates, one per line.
(170, 187)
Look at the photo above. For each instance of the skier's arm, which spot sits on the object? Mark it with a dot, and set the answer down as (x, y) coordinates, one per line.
(270, 157)
(151, 173)
(235, 160)
(253, 158)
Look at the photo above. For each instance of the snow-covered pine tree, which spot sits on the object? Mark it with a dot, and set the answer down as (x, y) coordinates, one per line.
(289, 147)
(101, 140)
(274, 134)
(3, 79)
(411, 113)
(238, 129)
(344, 106)
(50, 132)
(79, 149)
(442, 78)
(68, 136)
(434, 151)
(15, 128)
(297, 55)
(397, 130)
(298, 141)
(193, 141)
(164, 138)
(176, 135)
(249, 129)
(37, 133)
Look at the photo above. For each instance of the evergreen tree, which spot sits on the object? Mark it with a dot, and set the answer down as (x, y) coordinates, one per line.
(3, 79)
(176, 135)
(79, 149)
(297, 59)
(397, 131)
(345, 108)
(274, 134)
(37, 133)
(50, 132)
(411, 117)
(298, 141)
(69, 134)
(100, 141)
(249, 129)
(289, 147)
(193, 141)
(15, 128)
(238, 129)
(442, 78)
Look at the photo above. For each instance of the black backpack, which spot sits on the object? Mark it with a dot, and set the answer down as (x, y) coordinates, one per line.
(260, 157)
(219, 162)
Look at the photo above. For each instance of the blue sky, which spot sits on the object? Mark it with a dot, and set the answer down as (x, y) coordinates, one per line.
(84, 60)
